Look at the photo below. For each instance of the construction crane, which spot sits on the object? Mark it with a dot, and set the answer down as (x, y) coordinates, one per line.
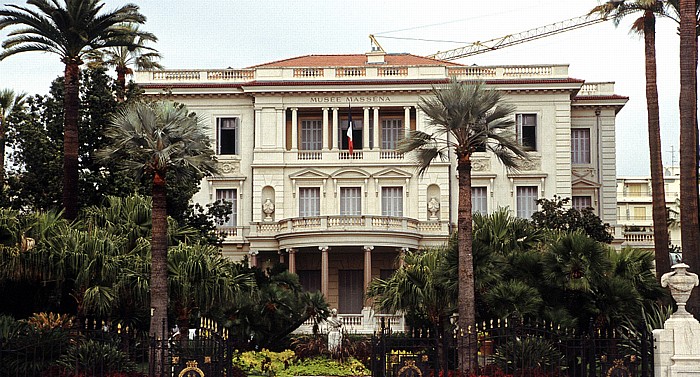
(480, 47)
(517, 38)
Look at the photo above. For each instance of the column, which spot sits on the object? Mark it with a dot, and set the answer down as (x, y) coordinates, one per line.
(377, 144)
(407, 119)
(258, 128)
(368, 269)
(419, 119)
(295, 129)
(335, 128)
(365, 128)
(253, 258)
(292, 260)
(324, 270)
(325, 145)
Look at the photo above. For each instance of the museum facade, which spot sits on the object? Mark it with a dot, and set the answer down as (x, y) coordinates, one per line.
(339, 218)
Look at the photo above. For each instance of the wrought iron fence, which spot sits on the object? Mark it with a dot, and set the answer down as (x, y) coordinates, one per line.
(520, 349)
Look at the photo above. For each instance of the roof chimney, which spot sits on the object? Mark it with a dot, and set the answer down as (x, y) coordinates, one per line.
(376, 56)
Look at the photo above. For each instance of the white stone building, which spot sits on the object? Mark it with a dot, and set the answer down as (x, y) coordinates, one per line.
(338, 219)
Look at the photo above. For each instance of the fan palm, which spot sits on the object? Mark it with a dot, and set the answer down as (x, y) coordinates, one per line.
(9, 102)
(463, 118)
(646, 26)
(122, 58)
(152, 139)
(70, 30)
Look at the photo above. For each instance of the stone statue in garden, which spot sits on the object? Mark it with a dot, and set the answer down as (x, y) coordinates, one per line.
(335, 333)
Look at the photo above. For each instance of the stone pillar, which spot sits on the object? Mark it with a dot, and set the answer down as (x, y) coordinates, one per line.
(368, 270)
(253, 258)
(295, 129)
(365, 128)
(258, 128)
(292, 260)
(407, 120)
(377, 144)
(324, 270)
(335, 128)
(676, 346)
(325, 130)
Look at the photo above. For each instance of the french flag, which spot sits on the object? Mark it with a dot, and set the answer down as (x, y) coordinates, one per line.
(349, 133)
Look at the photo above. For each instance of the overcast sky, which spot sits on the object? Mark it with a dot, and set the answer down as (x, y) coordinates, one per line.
(241, 33)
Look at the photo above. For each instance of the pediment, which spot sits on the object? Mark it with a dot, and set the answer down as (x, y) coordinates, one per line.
(392, 173)
(308, 174)
(584, 183)
(350, 173)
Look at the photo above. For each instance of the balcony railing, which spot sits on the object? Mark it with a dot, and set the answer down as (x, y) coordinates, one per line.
(639, 237)
(366, 322)
(339, 222)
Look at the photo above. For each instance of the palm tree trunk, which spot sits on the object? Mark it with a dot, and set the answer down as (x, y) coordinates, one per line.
(159, 267)
(71, 106)
(465, 272)
(2, 152)
(661, 255)
(690, 230)
(121, 83)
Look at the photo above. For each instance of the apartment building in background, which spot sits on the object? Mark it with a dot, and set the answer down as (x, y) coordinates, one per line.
(340, 219)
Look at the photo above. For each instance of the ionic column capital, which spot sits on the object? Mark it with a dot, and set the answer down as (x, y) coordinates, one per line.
(368, 248)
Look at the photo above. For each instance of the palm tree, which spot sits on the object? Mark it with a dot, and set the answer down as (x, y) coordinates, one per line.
(690, 233)
(646, 25)
(151, 139)
(69, 30)
(122, 58)
(465, 117)
(201, 279)
(9, 103)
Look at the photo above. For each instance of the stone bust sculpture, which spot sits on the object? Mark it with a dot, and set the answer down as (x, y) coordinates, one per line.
(268, 208)
(433, 208)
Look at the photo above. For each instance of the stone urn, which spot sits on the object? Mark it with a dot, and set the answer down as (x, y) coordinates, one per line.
(681, 283)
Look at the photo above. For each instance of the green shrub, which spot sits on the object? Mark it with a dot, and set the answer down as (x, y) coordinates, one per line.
(322, 366)
(527, 354)
(94, 356)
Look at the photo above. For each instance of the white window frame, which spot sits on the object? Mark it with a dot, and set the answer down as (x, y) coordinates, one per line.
(309, 205)
(350, 201)
(580, 202)
(524, 210)
(393, 205)
(519, 117)
(230, 195)
(311, 134)
(580, 146)
(392, 132)
(483, 207)
(228, 124)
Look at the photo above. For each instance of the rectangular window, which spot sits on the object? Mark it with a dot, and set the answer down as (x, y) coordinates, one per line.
(229, 195)
(526, 201)
(581, 202)
(526, 130)
(350, 291)
(392, 133)
(227, 136)
(640, 213)
(310, 280)
(311, 135)
(350, 201)
(479, 204)
(392, 201)
(309, 201)
(580, 146)
(357, 136)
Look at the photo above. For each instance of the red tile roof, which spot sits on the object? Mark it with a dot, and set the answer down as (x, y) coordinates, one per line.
(354, 60)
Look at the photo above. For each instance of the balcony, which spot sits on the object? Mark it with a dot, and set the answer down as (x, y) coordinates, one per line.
(331, 156)
(351, 230)
(366, 322)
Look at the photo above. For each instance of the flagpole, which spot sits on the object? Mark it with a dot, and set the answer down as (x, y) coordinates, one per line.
(349, 132)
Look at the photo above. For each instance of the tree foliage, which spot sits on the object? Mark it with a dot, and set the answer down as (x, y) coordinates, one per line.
(554, 216)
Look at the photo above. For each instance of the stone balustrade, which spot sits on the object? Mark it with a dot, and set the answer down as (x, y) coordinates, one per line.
(362, 73)
(366, 322)
(339, 223)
